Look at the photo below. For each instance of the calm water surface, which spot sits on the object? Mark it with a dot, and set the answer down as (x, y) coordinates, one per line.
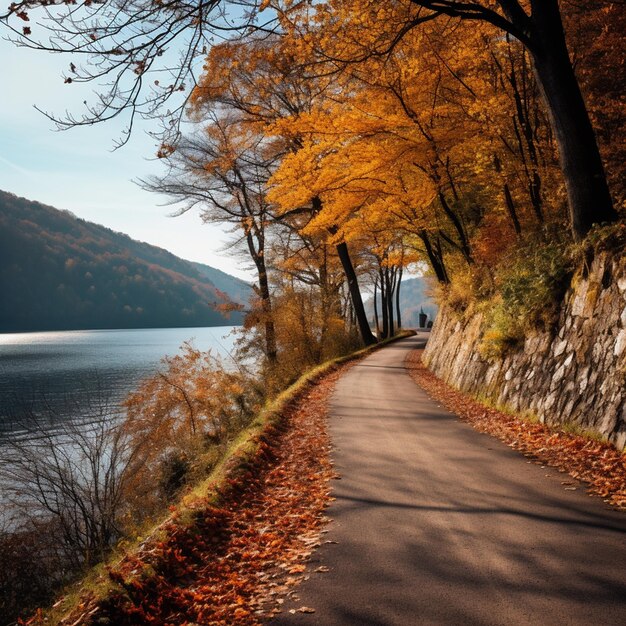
(59, 373)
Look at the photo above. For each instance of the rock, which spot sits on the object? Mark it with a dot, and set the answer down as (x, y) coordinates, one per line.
(558, 376)
(550, 400)
(578, 302)
(560, 347)
(583, 379)
(620, 343)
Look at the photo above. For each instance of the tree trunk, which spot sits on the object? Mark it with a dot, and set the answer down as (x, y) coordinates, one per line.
(398, 314)
(383, 304)
(376, 321)
(510, 205)
(257, 252)
(268, 319)
(353, 284)
(588, 194)
(436, 259)
(464, 245)
(355, 295)
(389, 301)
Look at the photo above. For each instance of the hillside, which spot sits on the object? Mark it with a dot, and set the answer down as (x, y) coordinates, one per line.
(237, 290)
(59, 272)
(413, 298)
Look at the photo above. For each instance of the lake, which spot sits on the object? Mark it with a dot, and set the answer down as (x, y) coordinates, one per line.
(58, 373)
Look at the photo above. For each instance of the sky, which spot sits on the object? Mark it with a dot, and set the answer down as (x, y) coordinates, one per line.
(78, 169)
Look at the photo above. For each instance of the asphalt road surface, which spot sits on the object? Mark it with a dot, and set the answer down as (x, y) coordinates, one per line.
(436, 523)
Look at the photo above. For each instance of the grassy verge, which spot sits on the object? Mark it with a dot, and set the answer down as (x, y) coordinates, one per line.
(135, 562)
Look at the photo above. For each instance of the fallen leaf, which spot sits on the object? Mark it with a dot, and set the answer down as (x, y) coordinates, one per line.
(297, 569)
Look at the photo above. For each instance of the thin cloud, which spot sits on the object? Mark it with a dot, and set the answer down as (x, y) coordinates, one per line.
(17, 168)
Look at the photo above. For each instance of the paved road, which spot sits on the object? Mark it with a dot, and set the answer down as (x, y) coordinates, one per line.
(439, 524)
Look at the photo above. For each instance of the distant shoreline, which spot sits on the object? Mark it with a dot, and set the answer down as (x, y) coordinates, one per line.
(133, 328)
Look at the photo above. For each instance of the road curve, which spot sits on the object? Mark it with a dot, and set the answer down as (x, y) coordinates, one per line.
(436, 523)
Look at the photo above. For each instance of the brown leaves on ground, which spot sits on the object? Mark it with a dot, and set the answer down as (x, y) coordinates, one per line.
(597, 463)
(235, 564)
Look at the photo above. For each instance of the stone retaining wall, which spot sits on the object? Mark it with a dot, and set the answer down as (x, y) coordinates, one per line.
(575, 374)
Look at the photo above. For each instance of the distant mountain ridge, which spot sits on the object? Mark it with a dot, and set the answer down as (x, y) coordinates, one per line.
(60, 272)
(236, 289)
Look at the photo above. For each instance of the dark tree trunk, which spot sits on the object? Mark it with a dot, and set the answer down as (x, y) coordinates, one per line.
(353, 284)
(527, 145)
(258, 256)
(355, 295)
(383, 304)
(268, 319)
(435, 258)
(376, 308)
(458, 226)
(585, 180)
(389, 301)
(510, 205)
(398, 313)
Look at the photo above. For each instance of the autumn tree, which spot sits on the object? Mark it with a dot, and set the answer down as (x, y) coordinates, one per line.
(126, 42)
(386, 250)
(257, 92)
(595, 32)
(178, 419)
(425, 135)
(539, 28)
(222, 170)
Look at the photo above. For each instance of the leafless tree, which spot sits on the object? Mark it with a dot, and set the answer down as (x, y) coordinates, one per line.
(69, 482)
(143, 56)
(222, 171)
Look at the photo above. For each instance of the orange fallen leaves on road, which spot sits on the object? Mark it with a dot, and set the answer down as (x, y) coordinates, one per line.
(596, 463)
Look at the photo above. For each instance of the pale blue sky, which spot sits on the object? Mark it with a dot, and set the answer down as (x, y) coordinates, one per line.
(77, 169)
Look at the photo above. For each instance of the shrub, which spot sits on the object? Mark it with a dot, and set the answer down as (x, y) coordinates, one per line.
(79, 489)
(530, 285)
(72, 481)
(28, 574)
(62, 502)
(175, 419)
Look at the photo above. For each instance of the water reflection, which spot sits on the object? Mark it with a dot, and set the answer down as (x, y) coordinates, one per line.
(57, 373)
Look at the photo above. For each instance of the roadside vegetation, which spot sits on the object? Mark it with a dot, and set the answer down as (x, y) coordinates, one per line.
(194, 435)
(84, 492)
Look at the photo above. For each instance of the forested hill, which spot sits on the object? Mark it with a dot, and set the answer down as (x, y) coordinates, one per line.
(236, 289)
(59, 272)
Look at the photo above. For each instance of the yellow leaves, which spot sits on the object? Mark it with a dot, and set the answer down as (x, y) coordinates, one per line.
(356, 156)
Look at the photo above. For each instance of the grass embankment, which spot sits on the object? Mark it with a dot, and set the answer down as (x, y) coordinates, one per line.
(597, 463)
(237, 540)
